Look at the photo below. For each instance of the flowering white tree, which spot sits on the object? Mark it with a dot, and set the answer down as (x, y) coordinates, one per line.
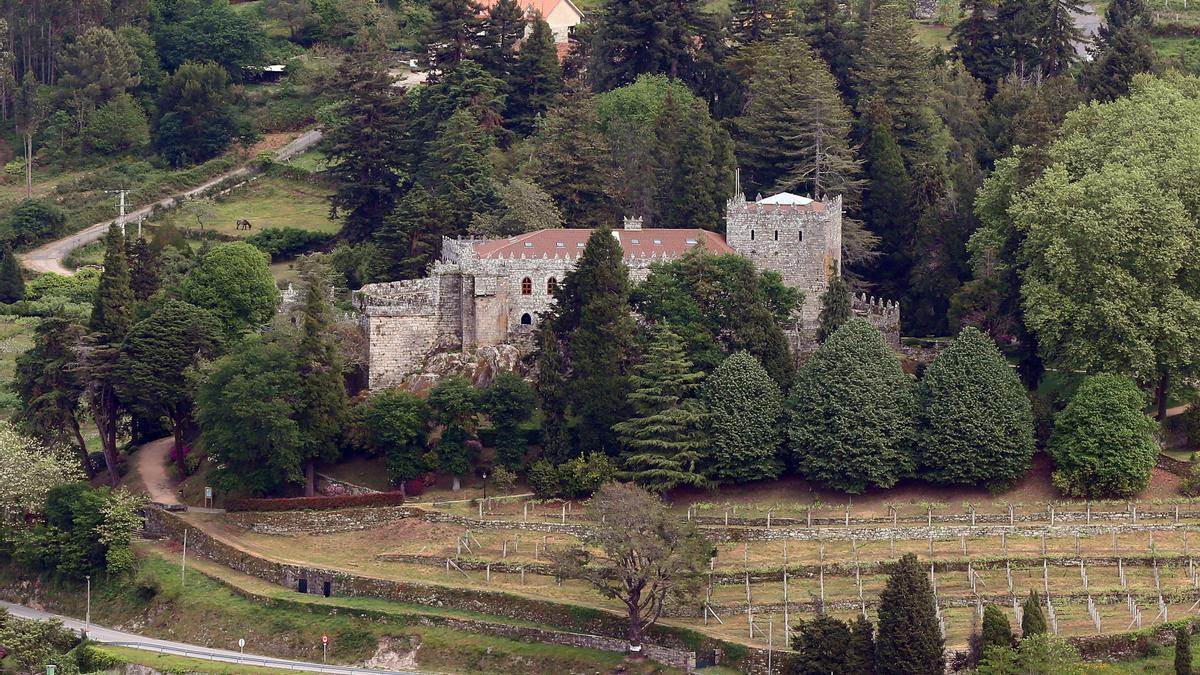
(29, 469)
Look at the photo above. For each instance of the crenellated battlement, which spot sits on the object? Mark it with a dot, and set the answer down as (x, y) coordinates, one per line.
(881, 313)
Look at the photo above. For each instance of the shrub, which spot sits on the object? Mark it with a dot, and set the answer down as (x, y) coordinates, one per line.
(282, 242)
(315, 503)
(91, 658)
(1190, 486)
(543, 479)
(1103, 443)
(580, 478)
(503, 479)
(746, 408)
(32, 221)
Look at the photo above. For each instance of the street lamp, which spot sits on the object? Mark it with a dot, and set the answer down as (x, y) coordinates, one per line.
(87, 618)
(485, 486)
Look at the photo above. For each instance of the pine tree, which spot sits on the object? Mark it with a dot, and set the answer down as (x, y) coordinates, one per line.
(551, 385)
(860, 652)
(996, 630)
(755, 21)
(461, 169)
(835, 308)
(977, 42)
(1019, 23)
(594, 320)
(745, 415)
(1058, 35)
(664, 438)
(362, 145)
(321, 402)
(144, 271)
(453, 32)
(976, 422)
(410, 237)
(852, 411)
(1121, 50)
(1033, 620)
(688, 192)
(910, 640)
(820, 645)
(1183, 650)
(12, 284)
(835, 33)
(634, 37)
(537, 80)
(502, 31)
(794, 134)
(886, 206)
(112, 314)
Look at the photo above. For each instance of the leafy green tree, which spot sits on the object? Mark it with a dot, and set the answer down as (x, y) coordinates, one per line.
(910, 640)
(509, 402)
(50, 390)
(207, 30)
(150, 71)
(118, 126)
(593, 318)
(523, 207)
(32, 221)
(362, 144)
(122, 511)
(112, 314)
(12, 283)
(1042, 653)
(852, 412)
(196, 116)
(321, 402)
(976, 422)
(245, 408)
(454, 403)
(454, 32)
(636, 37)
(158, 359)
(1033, 619)
(67, 543)
(860, 652)
(665, 437)
(1103, 445)
(393, 424)
(821, 646)
(297, 15)
(234, 282)
(29, 470)
(1183, 651)
(836, 308)
(34, 643)
(996, 630)
(745, 411)
(536, 83)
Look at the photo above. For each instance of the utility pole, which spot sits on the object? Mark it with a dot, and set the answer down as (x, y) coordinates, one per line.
(87, 618)
(121, 212)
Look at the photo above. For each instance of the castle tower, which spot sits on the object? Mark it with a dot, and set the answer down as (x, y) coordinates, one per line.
(798, 237)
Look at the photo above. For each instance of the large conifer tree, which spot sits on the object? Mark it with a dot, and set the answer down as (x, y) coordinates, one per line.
(551, 386)
(820, 645)
(502, 31)
(112, 313)
(745, 412)
(852, 412)
(321, 402)
(1033, 619)
(886, 205)
(636, 37)
(754, 21)
(460, 171)
(910, 640)
(977, 42)
(537, 81)
(664, 439)
(453, 32)
(12, 284)
(1121, 50)
(860, 654)
(836, 308)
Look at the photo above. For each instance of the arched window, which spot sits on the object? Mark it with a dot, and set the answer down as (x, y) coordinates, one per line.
(776, 235)
(527, 286)
(551, 285)
(526, 320)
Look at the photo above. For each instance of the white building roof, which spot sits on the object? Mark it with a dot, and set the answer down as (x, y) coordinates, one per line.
(786, 198)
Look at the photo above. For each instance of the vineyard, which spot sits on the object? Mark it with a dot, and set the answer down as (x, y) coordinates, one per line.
(1102, 567)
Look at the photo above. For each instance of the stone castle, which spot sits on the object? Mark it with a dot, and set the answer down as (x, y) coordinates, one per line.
(490, 292)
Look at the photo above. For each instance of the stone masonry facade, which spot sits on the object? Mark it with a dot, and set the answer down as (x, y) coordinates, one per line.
(487, 292)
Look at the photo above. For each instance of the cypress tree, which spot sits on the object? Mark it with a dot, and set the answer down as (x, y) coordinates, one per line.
(144, 272)
(112, 314)
(689, 190)
(910, 640)
(537, 80)
(12, 284)
(551, 386)
(665, 437)
(976, 422)
(321, 402)
(509, 402)
(745, 411)
(454, 402)
(594, 318)
(860, 655)
(502, 31)
(1122, 49)
(1183, 650)
(996, 630)
(453, 32)
(410, 237)
(836, 308)
(820, 645)
(886, 205)
(1033, 620)
(852, 411)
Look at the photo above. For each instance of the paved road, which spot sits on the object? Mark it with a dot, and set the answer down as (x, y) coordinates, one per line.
(48, 257)
(1089, 22)
(122, 639)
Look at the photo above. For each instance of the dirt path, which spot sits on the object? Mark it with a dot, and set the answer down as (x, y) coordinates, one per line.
(48, 257)
(152, 465)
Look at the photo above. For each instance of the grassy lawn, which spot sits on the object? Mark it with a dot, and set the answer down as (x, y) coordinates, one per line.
(165, 663)
(16, 336)
(309, 160)
(933, 35)
(269, 201)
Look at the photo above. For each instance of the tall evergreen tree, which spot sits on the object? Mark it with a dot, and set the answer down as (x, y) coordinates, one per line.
(551, 384)
(12, 284)
(509, 402)
(502, 32)
(835, 32)
(537, 80)
(361, 143)
(1020, 22)
(634, 37)
(1033, 620)
(460, 171)
(886, 206)
(997, 632)
(410, 237)
(836, 308)
(594, 319)
(321, 402)
(664, 439)
(112, 313)
(820, 645)
(852, 412)
(453, 32)
(745, 411)
(455, 406)
(910, 640)
(692, 173)
(977, 42)
(50, 388)
(976, 422)
(860, 652)
(1183, 650)
(1121, 50)
(144, 270)
(754, 21)
(1058, 35)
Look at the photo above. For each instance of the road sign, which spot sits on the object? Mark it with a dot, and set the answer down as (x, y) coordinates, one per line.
(241, 643)
(208, 492)
(324, 639)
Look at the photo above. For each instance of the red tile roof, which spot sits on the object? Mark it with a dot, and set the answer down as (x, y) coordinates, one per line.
(657, 242)
(544, 7)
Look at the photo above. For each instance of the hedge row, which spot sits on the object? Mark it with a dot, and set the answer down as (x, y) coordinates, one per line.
(315, 503)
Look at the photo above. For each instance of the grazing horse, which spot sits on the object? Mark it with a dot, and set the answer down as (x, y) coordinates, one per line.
(243, 224)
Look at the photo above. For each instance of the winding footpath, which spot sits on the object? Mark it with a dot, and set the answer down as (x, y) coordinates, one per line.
(118, 638)
(48, 257)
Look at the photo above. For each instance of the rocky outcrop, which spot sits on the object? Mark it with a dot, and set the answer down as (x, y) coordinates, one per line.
(480, 366)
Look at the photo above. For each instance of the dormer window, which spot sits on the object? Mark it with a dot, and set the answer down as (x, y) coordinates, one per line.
(559, 244)
(658, 242)
(580, 244)
(529, 244)
(691, 242)
(635, 241)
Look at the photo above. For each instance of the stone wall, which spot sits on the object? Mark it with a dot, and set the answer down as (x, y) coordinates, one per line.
(883, 314)
(404, 321)
(328, 485)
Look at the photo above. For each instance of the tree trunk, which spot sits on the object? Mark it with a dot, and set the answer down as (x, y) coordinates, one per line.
(456, 485)
(83, 451)
(310, 478)
(1160, 394)
(28, 165)
(403, 490)
(635, 631)
(108, 441)
(180, 460)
